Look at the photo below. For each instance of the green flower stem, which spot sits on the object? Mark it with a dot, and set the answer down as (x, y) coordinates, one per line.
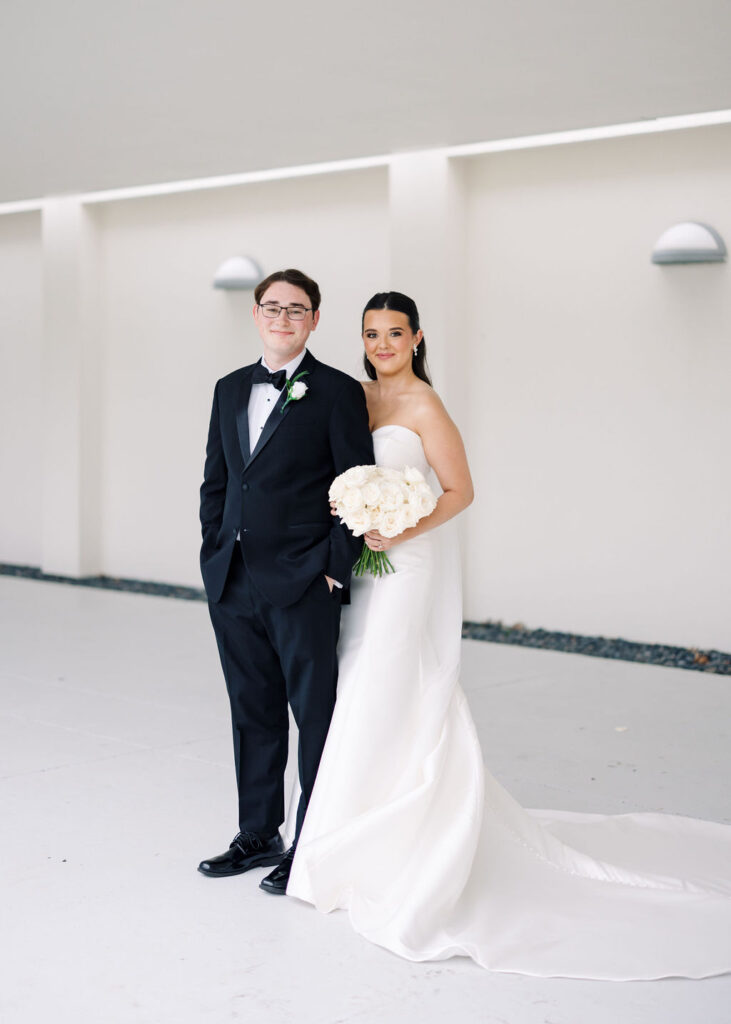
(377, 563)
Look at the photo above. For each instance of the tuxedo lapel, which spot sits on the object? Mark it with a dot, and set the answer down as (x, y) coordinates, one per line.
(242, 415)
(279, 411)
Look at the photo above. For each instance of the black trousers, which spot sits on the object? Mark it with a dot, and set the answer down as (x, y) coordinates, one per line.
(272, 657)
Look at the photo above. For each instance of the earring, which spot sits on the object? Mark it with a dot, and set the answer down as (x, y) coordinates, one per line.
(415, 351)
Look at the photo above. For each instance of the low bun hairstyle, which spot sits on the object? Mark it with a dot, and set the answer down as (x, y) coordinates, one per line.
(399, 303)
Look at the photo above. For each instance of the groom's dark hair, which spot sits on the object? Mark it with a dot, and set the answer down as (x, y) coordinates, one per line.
(295, 277)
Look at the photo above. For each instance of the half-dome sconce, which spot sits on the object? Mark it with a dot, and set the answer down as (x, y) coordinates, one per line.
(239, 273)
(689, 242)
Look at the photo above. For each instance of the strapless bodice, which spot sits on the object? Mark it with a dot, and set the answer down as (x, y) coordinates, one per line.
(395, 447)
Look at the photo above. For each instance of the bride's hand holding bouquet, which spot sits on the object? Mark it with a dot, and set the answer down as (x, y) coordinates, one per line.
(379, 504)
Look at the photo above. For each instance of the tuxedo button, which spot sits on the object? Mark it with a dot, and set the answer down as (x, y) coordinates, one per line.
(244, 487)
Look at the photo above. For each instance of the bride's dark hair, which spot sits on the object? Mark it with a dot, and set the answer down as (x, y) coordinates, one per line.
(400, 303)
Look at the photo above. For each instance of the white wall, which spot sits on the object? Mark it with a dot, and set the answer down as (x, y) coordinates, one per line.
(600, 412)
(21, 387)
(168, 335)
(594, 385)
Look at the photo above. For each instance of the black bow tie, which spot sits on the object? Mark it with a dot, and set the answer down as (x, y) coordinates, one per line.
(263, 376)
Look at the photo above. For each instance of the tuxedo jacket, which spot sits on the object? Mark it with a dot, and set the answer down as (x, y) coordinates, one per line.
(276, 498)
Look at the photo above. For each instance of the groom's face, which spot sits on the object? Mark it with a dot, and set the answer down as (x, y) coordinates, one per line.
(284, 338)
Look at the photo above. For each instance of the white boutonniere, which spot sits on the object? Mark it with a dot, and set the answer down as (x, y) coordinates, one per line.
(296, 389)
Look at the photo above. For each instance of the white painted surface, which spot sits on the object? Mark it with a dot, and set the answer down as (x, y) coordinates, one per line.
(21, 421)
(169, 335)
(166, 91)
(70, 402)
(116, 778)
(426, 241)
(590, 385)
(599, 413)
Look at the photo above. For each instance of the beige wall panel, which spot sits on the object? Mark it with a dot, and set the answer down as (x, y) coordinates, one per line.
(168, 335)
(600, 419)
(21, 387)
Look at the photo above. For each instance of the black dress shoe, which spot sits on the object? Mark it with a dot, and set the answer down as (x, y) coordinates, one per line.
(276, 881)
(248, 850)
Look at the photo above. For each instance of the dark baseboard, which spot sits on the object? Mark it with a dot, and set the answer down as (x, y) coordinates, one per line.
(690, 658)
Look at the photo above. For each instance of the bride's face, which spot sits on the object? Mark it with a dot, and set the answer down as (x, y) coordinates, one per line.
(389, 341)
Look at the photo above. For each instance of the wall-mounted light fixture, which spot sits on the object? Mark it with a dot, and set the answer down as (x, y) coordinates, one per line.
(239, 273)
(689, 242)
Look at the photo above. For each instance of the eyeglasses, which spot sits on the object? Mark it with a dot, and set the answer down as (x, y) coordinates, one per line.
(273, 309)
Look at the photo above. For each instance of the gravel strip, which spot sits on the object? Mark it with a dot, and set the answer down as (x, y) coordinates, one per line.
(600, 647)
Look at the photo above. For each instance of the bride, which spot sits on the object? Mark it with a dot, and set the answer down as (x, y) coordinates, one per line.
(408, 833)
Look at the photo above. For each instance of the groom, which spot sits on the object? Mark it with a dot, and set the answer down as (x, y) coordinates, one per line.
(274, 561)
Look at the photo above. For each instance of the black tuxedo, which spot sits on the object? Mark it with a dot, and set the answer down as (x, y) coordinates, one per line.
(276, 621)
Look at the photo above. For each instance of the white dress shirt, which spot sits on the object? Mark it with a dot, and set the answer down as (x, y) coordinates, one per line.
(264, 397)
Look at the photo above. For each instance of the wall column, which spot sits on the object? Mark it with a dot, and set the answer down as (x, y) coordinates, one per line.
(71, 401)
(427, 243)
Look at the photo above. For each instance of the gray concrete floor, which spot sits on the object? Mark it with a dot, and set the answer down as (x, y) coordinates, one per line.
(116, 779)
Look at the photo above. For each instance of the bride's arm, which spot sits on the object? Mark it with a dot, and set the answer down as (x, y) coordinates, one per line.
(446, 455)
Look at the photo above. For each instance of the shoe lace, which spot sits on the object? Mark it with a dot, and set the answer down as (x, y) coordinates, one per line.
(247, 841)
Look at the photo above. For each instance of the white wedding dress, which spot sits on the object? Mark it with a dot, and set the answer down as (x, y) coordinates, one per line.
(432, 858)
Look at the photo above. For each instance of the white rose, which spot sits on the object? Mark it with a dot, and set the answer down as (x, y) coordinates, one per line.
(413, 475)
(298, 390)
(388, 525)
(391, 497)
(337, 489)
(356, 476)
(404, 519)
(358, 522)
(352, 500)
(427, 504)
(371, 493)
(421, 493)
(421, 501)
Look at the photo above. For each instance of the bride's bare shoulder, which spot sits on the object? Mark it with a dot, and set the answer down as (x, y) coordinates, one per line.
(431, 417)
(427, 403)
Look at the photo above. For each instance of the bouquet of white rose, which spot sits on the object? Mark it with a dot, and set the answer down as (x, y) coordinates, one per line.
(376, 498)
